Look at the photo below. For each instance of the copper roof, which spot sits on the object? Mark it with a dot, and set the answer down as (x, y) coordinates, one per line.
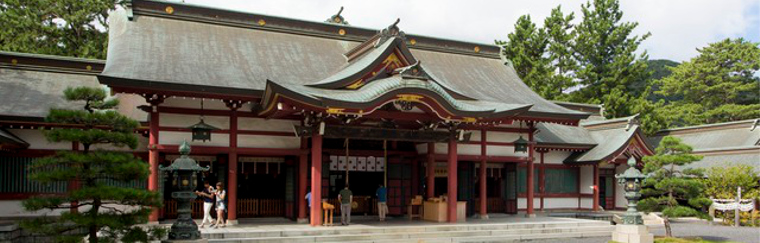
(197, 49)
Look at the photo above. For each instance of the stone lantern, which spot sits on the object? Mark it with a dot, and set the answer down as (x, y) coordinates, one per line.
(185, 169)
(632, 229)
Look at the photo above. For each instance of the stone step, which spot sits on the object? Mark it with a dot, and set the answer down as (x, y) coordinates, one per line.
(329, 231)
(441, 236)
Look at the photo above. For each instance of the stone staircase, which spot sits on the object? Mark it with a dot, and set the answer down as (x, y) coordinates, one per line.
(497, 232)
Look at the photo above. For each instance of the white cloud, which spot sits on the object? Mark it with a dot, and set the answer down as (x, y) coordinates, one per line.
(678, 27)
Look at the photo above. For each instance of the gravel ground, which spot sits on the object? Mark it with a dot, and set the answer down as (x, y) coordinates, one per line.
(687, 229)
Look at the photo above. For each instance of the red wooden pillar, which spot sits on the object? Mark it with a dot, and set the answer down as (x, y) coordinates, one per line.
(74, 184)
(232, 164)
(482, 175)
(153, 157)
(316, 179)
(302, 170)
(596, 187)
(529, 187)
(542, 179)
(431, 170)
(452, 180)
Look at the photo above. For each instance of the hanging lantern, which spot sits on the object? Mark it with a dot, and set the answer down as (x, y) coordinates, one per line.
(202, 131)
(521, 145)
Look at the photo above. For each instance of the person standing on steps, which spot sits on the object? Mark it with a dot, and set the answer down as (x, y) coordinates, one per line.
(382, 205)
(221, 207)
(308, 203)
(208, 202)
(345, 197)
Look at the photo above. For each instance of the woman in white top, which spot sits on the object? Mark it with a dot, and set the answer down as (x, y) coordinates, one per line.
(221, 196)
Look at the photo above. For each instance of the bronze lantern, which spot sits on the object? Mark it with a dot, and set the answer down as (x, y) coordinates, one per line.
(521, 145)
(202, 131)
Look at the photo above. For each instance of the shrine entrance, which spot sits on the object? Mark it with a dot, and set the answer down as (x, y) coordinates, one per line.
(265, 186)
(365, 165)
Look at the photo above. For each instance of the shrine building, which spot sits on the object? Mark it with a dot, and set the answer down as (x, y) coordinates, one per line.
(292, 106)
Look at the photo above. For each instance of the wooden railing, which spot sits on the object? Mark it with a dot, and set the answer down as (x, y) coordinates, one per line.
(260, 207)
(246, 208)
(494, 204)
(170, 209)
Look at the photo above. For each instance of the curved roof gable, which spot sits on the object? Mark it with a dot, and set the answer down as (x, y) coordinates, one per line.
(204, 51)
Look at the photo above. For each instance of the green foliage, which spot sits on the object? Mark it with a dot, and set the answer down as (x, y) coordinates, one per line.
(605, 50)
(659, 69)
(721, 182)
(525, 48)
(558, 28)
(57, 27)
(112, 211)
(597, 56)
(674, 191)
(718, 85)
(543, 57)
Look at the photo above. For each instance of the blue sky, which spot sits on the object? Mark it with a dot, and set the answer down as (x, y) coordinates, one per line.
(678, 27)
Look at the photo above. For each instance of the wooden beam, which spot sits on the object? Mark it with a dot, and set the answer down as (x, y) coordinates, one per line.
(490, 158)
(371, 133)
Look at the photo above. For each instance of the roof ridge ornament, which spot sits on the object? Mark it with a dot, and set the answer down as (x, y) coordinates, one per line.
(504, 58)
(633, 120)
(415, 71)
(337, 18)
(390, 32)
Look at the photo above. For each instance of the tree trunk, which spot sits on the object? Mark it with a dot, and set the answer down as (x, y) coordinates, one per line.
(668, 232)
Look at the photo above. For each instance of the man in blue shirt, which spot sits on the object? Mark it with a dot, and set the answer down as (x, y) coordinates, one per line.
(382, 198)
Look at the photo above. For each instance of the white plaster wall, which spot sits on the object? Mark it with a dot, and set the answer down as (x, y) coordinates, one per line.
(620, 200)
(260, 141)
(37, 140)
(504, 137)
(587, 203)
(587, 179)
(260, 124)
(208, 104)
(13, 208)
(556, 203)
(176, 138)
(183, 121)
(552, 157)
(142, 146)
(522, 203)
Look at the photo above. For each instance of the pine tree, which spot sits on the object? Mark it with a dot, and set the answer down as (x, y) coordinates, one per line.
(718, 85)
(605, 50)
(525, 48)
(558, 28)
(111, 210)
(57, 27)
(671, 189)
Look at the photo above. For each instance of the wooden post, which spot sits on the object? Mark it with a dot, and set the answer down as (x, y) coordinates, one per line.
(596, 187)
(302, 177)
(232, 164)
(482, 175)
(452, 180)
(153, 157)
(542, 179)
(737, 212)
(316, 178)
(431, 170)
(74, 184)
(529, 187)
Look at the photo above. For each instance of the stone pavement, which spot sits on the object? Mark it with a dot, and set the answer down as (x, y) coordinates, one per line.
(687, 229)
